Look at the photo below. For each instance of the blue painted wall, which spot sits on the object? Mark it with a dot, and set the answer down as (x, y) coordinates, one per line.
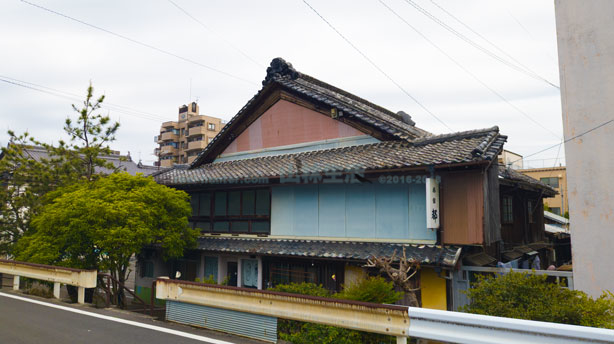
(351, 211)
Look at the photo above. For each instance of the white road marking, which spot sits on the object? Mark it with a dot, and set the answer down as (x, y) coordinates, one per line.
(123, 321)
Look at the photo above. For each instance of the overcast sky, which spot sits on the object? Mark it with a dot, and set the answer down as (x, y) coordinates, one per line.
(239, 38)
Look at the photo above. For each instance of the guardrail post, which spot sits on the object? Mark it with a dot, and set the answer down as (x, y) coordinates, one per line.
(56, 290)
(15, 282)
(401, 340)
(81, 295)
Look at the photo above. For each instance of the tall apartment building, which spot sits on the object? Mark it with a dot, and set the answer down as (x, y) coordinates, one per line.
(556, 177)
(180, 141)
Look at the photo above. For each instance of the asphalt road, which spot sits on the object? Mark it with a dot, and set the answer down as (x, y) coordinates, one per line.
(30, 323)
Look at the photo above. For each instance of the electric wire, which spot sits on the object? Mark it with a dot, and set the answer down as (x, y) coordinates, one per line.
(217, 34)
(489, 42)
(377, 67)
(166, 52)
(476, 45)
(68, 96)
(495, 92)
(76, 96)
(569, 139)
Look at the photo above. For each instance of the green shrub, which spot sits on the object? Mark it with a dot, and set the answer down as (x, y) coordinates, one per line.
(372, 289)
(209, 280)
(531, 297)
(303, 289)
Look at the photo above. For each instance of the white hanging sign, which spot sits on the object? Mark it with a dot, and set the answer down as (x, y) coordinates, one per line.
(432, 203)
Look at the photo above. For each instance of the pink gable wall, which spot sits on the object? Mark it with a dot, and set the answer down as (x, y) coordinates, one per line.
(286, 123)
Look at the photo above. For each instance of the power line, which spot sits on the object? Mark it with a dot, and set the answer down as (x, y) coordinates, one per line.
(78, 97)
(477, 46)
(491, 43)
(569, 139)
(377, 67)
(217, 34)
(140, 43)
(72, 97)
(499, 95)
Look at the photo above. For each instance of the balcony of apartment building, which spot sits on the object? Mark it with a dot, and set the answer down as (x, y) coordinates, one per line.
(198, 131)
(170, 125)
(168, 150)
(196, 145)
(167, 162)
(196, 119)
(168, 136)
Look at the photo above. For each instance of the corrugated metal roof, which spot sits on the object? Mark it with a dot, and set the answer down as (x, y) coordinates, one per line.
(556, 218)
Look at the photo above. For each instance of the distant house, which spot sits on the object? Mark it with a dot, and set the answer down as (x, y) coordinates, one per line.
(308, 181)
(556, 177)
(121, 162)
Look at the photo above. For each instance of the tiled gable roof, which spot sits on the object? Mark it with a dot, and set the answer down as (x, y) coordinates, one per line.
(347, 250)
(121, 162)
(511, 176)
(463, 147)
(282, 74)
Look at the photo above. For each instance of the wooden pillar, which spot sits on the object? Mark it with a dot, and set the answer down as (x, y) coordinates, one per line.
(401, 340)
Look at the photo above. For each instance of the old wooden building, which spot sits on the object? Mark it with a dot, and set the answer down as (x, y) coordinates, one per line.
(307, 181)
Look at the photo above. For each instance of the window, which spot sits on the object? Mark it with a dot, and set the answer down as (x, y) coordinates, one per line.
(211, 126)
(552, 181)
(147, 269)
(530, 212)
(195, 138)
(555, 210)
(507, 215)
(283, 271)
(193, 107)
(233, 211)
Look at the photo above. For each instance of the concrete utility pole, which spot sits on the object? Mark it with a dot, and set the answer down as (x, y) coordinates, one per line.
(585, 35)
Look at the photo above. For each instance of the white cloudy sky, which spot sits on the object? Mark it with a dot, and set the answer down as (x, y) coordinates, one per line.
(49, 50)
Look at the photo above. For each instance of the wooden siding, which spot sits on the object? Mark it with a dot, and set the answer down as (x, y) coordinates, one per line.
(521, 231)
(492, 215)
(462, 207)
(365, 211)
(286, 123)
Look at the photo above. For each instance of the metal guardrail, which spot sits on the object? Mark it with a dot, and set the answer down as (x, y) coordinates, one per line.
(456, 327)
(399, 321)
(558, 274)
(363, 316)
(56, 274)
